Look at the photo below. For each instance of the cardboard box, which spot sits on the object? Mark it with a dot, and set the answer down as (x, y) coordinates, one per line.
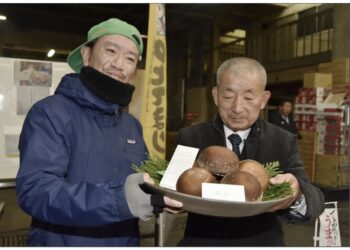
(340, 70)
(307, 147)
(331, 162)
(335, 98)
(308, 136)
(338, 180)
(312, 80)
(325, 68)
(308, 126)
(332, 170)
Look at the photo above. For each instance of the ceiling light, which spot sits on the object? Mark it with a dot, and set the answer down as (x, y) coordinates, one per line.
(51, 53)
(2, 17)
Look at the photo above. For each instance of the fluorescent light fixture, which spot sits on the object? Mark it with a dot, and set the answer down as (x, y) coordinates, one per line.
(3, 18)
(51, 53)
(1, 101)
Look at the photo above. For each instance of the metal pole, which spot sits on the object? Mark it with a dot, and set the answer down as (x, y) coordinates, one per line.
(158, 230)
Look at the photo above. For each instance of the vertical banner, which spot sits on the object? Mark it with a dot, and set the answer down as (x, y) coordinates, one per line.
(154, 110)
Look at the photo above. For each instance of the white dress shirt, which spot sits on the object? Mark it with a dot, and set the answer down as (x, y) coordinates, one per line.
(243, 134)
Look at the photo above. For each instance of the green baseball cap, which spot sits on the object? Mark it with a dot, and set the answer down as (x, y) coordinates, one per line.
(113, 26)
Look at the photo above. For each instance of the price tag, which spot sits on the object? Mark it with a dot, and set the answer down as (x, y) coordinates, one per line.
(225, 192)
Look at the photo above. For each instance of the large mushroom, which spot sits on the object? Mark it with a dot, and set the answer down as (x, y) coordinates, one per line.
(256, 169)
(218, 160)
(252, 188)
(190, 181)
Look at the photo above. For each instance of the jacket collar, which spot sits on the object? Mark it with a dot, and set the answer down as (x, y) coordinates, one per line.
(254, 132)
(72, 87)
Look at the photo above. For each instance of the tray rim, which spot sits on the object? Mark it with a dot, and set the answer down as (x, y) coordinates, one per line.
(167, 190)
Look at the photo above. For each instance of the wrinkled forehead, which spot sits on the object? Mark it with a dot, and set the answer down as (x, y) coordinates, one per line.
(247, 77)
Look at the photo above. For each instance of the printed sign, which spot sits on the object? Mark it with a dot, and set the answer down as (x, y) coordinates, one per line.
(329, 228)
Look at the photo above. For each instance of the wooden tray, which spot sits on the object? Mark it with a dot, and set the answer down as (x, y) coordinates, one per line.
(217, 208)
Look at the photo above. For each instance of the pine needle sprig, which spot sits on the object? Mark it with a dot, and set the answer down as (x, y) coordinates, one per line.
(154, 166)
(277, 191)
(272, 168)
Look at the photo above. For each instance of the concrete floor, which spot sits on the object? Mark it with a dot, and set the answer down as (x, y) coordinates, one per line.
(14, 224)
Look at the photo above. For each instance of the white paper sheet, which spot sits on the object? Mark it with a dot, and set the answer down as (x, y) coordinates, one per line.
(329, 228)
(183, 159)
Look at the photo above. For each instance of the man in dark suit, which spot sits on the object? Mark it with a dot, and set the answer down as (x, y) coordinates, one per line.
(283, 117)
(240, 95)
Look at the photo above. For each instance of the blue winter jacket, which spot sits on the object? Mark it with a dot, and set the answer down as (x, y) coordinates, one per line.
(76, 151)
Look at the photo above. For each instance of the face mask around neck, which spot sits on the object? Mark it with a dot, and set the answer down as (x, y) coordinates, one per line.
(105, 87)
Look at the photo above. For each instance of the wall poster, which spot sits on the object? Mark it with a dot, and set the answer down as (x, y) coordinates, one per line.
(22, 83)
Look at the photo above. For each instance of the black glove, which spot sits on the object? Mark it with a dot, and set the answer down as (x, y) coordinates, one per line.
(141, 203)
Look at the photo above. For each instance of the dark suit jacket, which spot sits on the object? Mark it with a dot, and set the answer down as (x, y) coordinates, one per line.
(277, 119)
(265, 143)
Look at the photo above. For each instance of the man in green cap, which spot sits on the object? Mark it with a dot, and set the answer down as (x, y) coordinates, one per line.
(77, 148)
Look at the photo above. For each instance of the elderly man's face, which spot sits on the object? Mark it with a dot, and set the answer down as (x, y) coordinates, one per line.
(239, 99)
(113, 55)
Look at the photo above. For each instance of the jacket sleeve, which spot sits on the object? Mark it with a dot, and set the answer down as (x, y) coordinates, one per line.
(313, 195)
(42, 190)
(274, 118)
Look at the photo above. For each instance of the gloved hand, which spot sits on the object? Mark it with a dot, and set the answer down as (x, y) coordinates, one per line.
(141, 204)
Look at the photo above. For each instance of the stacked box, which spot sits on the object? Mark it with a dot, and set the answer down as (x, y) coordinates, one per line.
(341, 88)
(333, 136)
(307, 147)
(306, 109)
(314, 80)
(305, 118)
(332, 171)
(333, 125)
(312, 95)
(339, 68)
(325, 68)
(332, 159)
(323, 118)
(340, 71)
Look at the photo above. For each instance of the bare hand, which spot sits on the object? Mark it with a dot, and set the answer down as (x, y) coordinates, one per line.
(296, 191)
(172, 206)
(148, 178)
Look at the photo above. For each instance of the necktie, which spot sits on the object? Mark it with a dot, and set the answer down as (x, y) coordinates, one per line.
(235, 141)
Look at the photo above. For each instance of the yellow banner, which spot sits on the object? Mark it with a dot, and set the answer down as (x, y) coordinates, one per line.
(154, 110)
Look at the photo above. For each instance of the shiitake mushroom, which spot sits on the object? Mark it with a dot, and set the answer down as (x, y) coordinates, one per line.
(218, 160)
(256, 169)
(215, 162)
(252, 188)
(190, 181)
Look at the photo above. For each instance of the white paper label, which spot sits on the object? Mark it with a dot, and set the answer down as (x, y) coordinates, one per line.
(225, 192)
(182, 159)
(329, 228)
